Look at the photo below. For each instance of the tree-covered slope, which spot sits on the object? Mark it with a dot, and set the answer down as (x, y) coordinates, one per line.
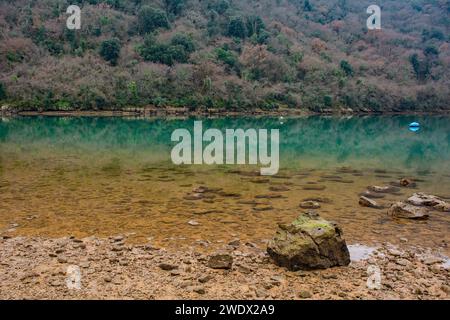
(232, 54)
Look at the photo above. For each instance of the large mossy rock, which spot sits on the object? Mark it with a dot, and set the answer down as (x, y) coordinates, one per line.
(309, 242)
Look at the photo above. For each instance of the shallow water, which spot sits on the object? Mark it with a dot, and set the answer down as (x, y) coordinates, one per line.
(360, 252)
(105, 176)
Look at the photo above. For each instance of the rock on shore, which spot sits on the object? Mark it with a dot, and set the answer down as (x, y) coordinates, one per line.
(309, 242)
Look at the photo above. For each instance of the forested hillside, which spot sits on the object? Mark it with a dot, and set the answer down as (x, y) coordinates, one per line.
(314, 55)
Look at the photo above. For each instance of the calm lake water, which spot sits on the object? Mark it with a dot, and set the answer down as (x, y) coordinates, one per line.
(87, 176)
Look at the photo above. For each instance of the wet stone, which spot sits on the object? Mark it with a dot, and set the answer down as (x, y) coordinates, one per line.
(367, 202)
(309, 205)
(314, 187)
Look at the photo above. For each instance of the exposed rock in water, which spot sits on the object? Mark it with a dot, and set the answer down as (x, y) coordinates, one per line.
(309, 242)
(444, 206)
(422, 199)
(309, 205)
(220, 260)
(195, 196)
(407, 211)
(366, 202)
(384, 189)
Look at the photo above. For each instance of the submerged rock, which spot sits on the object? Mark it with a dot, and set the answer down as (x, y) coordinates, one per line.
(314, 187)
(384, 189)
(309, 205)
(319, 199)
(309, 242)
(407, 211)
(407, 183)
(366, 202)
(279, 188)
(372, 195)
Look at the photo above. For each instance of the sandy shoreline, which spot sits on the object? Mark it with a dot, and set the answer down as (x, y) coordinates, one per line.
(36, 268)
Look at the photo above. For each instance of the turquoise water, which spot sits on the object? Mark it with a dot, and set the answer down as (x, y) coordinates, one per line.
(99, 176)
(381, 142)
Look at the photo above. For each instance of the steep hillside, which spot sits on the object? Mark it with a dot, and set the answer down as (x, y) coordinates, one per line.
(231, 54)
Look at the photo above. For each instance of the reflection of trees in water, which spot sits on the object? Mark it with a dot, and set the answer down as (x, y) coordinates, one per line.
(385, 140)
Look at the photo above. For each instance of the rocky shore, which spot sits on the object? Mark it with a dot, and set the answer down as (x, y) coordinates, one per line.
(37, 268)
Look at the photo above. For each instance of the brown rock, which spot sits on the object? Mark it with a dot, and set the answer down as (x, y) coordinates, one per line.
(167, 266)
(366, 202)
(407, 211)
(220, 261)
(384, 189)
(407, 183)
(309, 205)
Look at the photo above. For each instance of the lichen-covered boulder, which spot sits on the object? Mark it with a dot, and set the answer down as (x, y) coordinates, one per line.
(309, 242)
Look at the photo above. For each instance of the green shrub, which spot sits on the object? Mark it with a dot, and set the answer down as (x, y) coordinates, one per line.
(174, 6)
(229, 58)
(164, 53)
(431, 51)
(328, 101)
(220, 6)
(181, 39)
(110, 50)
(236, 27)
(2, 92)
(254, 25)
(150, 19)
(347, 68)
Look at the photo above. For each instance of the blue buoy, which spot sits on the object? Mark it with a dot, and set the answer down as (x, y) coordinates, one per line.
(414, 126)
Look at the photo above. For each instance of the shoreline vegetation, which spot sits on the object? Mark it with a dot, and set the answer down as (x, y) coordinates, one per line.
(226, 56)
(186, 112)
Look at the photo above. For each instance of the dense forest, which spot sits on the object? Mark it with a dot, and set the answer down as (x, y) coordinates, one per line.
(315, 55)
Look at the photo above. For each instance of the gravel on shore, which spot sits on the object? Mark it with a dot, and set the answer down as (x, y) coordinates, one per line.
(38, 268)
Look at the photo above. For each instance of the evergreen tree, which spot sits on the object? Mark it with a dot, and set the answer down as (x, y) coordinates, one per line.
(236, 27)
(110, 50)
(150, 19)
